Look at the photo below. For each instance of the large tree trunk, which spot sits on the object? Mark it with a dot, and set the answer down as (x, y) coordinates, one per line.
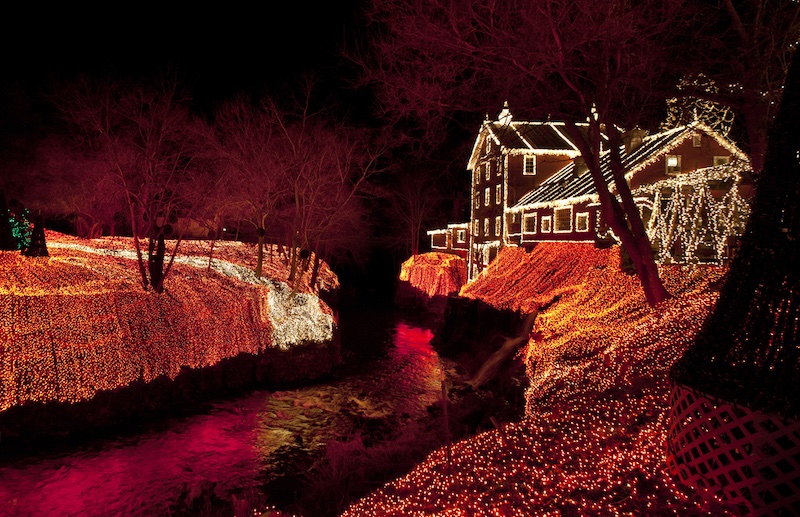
(747, 351)
(624, 217)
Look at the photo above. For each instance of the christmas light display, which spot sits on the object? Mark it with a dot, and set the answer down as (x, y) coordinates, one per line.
(592, 441)
(435, 274)
(79, 322)
(689, 217)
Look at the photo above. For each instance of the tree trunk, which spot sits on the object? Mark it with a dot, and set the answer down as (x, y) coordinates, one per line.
(494, 365)
(293, 260)
(315, 269)
(623, 218)
(260, 252)
(156, 262)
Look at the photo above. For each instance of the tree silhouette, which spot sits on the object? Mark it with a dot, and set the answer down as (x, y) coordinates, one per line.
(156, 151)
(747, 351)
(742, 50)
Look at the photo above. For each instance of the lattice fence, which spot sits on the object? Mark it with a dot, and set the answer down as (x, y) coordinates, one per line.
(749, 458)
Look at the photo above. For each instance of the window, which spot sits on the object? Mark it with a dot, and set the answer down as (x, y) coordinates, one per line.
(722, 160)
(497, 226)
(497, 194)
(582, 222)
(697, 140)
(514, 217)
(547, 224)
(487, 171)
(673, 163)
(563, 217)
(529, 167)
(486, 227)
(461, 236)
(487, 196)
(476, 227)
(529, 223)
(477, 201)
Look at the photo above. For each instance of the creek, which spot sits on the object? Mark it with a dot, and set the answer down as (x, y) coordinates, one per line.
(258, 448)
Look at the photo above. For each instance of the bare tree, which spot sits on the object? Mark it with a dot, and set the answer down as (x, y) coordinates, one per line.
(743, 48)
(329, 168)
(413, 198)
(259, 179)
(156, 151)
(607, 63)
(66, 183)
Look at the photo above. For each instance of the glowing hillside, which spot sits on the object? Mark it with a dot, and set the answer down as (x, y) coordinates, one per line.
(79, 322)
(593, 439)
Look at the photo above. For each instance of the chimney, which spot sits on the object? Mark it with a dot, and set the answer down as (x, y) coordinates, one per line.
(580, 166)
(504, 118)
(633, 139)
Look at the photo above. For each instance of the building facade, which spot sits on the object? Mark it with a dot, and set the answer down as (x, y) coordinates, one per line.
(530, 185)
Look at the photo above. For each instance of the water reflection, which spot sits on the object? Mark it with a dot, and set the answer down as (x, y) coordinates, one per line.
(230, 449)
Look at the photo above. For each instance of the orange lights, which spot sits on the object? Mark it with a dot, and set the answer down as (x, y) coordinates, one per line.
(435, 274)
(78, 322)
(592, 441)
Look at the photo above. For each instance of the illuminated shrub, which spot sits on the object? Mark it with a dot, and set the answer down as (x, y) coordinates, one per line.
(435, 274)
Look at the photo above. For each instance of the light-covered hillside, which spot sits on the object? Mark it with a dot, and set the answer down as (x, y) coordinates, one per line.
(79, 321)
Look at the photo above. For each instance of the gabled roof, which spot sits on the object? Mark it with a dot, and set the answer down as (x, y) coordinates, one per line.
(570, 183)
(521, 137)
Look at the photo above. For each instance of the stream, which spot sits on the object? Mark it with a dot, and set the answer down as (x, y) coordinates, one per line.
(250, 450)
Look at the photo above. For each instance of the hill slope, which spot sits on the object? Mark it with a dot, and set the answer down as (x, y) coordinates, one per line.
(593, 439)
(79, 322)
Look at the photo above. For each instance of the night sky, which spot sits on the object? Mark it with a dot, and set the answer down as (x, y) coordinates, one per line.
(218, 52)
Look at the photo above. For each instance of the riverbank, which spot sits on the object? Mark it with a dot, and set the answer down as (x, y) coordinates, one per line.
(84, 346)
(592, 440)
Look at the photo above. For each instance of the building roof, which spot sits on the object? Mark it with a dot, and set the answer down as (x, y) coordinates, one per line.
(523, 137)
(576, 183)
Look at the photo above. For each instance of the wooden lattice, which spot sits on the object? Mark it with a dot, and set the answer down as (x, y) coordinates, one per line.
(746, 457)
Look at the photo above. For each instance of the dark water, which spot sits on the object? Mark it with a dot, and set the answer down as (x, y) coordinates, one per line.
(231, 451)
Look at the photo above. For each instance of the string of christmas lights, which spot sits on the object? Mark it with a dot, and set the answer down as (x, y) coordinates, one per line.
(690, 222)
(435, 274)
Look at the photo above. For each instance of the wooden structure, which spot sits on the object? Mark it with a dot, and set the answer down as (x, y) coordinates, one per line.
(530, 185)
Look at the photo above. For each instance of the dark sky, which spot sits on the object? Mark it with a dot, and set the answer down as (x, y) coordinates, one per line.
(220, 48)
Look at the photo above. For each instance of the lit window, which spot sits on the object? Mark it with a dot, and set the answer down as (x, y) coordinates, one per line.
(487, 171)
(673, 163)
(529, 168)
(547, 224)
(461, 236)
(475, 227)
(722, 160)
(477, 201)
(697, 140)
(497, 226)
(563, 218)
(582, 222)
(497, 194)
(486, 227)
(487, 196)
(529, 223)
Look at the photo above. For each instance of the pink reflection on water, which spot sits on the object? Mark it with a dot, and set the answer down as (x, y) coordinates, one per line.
(229, 448)
(137, 478)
